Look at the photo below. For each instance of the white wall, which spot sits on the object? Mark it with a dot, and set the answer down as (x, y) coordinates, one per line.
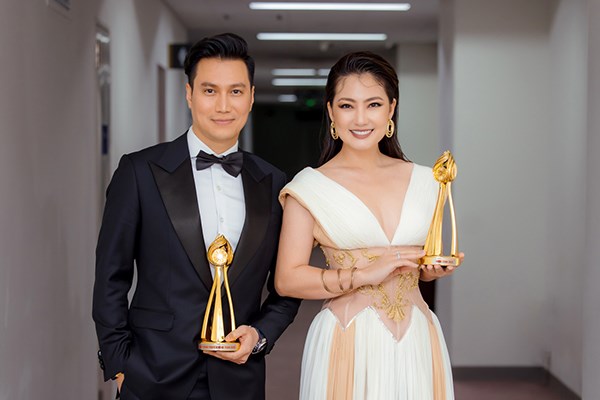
(418, 103)
(591, 274)
(566, 192)
(514, 92)
(141, 32)
(501, 124)
(50, 175)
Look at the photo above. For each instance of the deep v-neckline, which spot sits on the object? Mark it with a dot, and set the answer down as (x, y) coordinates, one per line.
(368, 209)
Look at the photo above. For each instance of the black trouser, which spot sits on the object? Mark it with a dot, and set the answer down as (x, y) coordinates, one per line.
(200, 389)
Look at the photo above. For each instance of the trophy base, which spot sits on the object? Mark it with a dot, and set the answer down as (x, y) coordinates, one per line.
(445, 261)
(218, 346)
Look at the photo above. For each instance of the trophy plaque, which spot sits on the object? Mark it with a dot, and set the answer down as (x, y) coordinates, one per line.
(444, 171)
(220, 255)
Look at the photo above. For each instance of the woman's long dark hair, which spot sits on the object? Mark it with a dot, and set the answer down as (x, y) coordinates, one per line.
(362, 62)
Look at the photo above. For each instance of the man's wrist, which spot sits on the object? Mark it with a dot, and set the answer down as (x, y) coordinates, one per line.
(261, 344)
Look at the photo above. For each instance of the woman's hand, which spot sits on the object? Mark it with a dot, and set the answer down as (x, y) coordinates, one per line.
(431, 272)
(391, 263)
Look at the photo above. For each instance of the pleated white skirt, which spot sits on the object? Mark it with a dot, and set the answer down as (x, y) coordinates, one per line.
(384, 369)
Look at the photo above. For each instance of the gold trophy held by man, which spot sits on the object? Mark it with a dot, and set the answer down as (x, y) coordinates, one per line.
(220, 256)
(444, 172)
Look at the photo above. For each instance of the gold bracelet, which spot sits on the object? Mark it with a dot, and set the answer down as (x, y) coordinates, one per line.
(339, 273)
(323, 281)
(352, 271)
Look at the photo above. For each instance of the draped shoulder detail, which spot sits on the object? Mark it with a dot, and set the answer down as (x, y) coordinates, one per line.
(349, 223)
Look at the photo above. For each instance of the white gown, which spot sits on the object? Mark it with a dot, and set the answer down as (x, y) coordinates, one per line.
(377, 342)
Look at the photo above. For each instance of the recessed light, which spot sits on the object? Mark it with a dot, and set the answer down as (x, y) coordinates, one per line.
(294, 72)
(302, 6)
(287, 98)
(376, 37)
(299, 82)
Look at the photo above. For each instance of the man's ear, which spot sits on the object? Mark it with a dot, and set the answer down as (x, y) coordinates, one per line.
(188, 94)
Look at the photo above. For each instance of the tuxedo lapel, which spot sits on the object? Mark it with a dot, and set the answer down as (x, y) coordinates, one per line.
(173, 175)
(257, 196)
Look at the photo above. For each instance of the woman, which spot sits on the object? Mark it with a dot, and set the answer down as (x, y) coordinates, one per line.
(369, 209)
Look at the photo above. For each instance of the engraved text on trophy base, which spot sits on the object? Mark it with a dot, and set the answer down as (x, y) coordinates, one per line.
(221, 346)
(446, 261)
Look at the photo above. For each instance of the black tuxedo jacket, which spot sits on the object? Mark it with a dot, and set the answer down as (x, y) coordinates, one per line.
(151, 217)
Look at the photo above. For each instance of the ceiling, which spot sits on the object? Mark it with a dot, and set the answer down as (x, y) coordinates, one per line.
(208, 17)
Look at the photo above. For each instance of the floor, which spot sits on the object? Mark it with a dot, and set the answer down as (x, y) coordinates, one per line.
(283, 372)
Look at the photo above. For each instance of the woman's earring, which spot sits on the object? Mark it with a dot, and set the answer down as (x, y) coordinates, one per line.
(333, 132)
(390, 129)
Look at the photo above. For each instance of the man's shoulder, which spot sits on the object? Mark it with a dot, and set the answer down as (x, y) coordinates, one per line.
(148, 153)
(266, 166)
(154, 152)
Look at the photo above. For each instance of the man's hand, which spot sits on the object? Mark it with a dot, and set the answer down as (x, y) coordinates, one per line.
(248, 337)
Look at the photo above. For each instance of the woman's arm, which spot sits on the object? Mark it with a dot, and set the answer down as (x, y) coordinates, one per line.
(294, 277)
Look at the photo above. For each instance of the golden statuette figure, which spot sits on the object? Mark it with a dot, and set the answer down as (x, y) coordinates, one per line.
(444, 171)
(220, 255)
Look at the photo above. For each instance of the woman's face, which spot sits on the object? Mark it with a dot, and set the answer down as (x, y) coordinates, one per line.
(360, 110)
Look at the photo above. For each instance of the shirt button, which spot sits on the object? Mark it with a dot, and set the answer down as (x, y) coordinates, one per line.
(221, 219)
(219, 188)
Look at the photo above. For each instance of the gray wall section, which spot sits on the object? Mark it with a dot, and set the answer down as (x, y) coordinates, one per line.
(49, 164)
(591, 274)
(50, 175)
(418, 106)
(515, 91)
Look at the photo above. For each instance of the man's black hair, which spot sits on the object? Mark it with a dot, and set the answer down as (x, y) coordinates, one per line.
(226, 46)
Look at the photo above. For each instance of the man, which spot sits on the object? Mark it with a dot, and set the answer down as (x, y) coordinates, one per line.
(165, 205)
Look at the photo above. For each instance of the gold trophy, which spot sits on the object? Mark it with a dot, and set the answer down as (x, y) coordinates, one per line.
(220, 255)
(444, 171)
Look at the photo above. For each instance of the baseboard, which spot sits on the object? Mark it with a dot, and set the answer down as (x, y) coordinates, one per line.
(533, 374)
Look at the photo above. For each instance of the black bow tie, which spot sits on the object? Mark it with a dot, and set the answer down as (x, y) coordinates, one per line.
(231, 163)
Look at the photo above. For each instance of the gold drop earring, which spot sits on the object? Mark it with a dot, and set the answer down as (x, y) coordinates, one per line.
(390, 129)
(333, 132)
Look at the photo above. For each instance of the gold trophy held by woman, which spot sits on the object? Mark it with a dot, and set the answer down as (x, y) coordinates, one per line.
(220, 255)
(444, 171)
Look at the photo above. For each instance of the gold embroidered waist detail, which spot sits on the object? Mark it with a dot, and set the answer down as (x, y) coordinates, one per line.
(392, 297)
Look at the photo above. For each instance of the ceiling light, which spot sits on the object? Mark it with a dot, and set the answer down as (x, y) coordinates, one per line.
(287, 98)
(378, 37)
(294, 72)
(289, 6)
(323, 71)
(298, 82)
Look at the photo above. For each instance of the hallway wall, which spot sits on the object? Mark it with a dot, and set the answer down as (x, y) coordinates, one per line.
(418, 105)
(565, 173)
(141, 32)
(50, 175)
(516, 105)
(500, 109)
(591, 273)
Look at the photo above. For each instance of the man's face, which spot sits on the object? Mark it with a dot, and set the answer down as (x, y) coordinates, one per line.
(220, 101)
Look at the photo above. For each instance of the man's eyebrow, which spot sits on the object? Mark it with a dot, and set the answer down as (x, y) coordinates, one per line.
(212, 85)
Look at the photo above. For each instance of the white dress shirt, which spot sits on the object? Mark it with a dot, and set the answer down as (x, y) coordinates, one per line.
(220, 197)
